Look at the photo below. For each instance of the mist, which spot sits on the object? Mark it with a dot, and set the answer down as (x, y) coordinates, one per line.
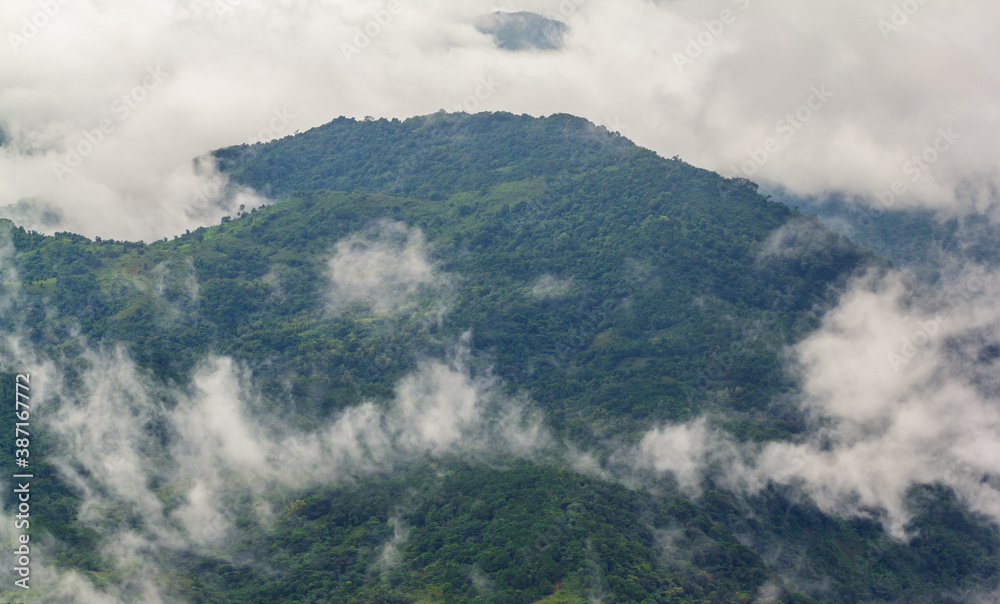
(899, 389)
(387, 270)
(105, 108)
(120, 432)
(108, 111)
(162, 467)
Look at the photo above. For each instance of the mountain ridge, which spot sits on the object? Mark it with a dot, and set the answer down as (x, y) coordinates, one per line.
(610, 288)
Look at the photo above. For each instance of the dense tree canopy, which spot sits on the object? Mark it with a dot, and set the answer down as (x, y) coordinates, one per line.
(613, 288)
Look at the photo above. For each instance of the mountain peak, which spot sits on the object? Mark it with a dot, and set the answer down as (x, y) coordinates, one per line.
(522, 30)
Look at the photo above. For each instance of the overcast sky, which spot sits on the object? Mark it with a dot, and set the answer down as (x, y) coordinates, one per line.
(849, 92)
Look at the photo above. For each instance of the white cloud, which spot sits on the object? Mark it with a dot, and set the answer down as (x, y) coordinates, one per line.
(902, 384)
(385, 268)
(115, 431)
(682, 450)
(548, 286)
(141, 89)
(900, 388)
(799, 238)
(213, 422)
(226, 74)
(103, 424)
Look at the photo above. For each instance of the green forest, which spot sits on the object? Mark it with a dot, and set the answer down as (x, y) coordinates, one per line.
(612, 288)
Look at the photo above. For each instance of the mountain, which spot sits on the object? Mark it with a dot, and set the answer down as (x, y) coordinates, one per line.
(522, 30)
(414, 376)
(917, 238)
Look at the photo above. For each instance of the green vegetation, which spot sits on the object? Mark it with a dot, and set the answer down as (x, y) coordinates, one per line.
(615, 288)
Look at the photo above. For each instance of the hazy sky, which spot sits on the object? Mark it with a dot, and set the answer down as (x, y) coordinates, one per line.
(848, 92)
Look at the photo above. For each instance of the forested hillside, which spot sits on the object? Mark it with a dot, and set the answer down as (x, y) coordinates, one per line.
(603, 288)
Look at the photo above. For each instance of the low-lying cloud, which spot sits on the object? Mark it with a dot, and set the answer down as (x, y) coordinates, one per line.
(130, 94)
(386, 269)
(117, 432)
(548, 286)
(899, 385)
(801, 238)
(903, 384)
